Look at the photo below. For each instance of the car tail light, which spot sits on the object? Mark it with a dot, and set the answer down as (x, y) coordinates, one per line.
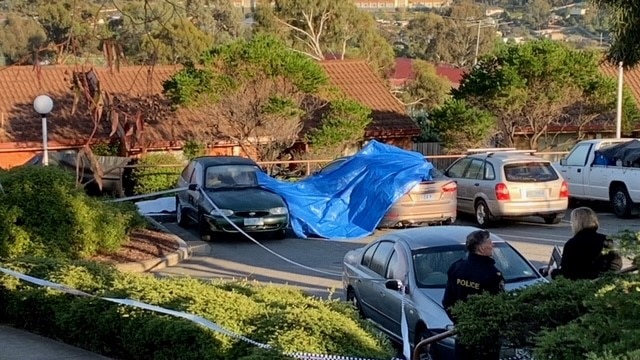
(564, 190)
(450, 187)
(502, 193)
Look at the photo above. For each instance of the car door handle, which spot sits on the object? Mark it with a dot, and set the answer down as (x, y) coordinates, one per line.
(476, 184)
(579, 170)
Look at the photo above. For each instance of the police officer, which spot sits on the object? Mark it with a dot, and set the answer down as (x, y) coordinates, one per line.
(472, 275)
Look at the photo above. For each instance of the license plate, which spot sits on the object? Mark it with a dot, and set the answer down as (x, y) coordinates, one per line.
(253, 221)
(429, 197)
(535, 193)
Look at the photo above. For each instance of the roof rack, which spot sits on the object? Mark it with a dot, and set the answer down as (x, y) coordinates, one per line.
(491, 151)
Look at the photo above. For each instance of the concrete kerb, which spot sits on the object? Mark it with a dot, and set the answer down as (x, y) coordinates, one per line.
(182, 253)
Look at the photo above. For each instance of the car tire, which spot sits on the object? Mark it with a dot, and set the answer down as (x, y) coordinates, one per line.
(203, 228)
(621, 202)
(181, 216)
(552, 219)
(280, 234)
(353, 299)
(483, 215)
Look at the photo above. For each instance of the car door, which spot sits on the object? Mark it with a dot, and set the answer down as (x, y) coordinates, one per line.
(194, 196)
(183, 182)
(573, 170)
(456, 172)
(474, 177)
(397, 269)
(374, 293)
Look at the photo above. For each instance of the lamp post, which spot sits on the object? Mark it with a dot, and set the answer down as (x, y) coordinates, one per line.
(43, 106)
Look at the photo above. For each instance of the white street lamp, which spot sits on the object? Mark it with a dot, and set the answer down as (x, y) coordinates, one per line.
(43, 106)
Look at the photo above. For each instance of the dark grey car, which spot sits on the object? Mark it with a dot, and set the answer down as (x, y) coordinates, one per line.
(419, 258)
(229, 182)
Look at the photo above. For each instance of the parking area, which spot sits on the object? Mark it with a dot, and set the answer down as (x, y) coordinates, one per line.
(314, 264)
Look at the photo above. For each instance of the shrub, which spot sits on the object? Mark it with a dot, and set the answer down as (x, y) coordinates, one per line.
(192, 149)
(152, 178)
(284, 318)
(43, 214)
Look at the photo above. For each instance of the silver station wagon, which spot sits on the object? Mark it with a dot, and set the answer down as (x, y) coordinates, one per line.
(506, 183)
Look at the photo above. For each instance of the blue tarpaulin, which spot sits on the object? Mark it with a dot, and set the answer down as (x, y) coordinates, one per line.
(350, 201)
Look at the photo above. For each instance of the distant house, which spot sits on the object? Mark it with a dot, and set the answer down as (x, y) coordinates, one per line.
(403, 73)
(140, 88)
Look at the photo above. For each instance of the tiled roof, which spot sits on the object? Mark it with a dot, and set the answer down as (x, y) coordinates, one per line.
(358, 81)
(131, 85)
(141, 85)
(631, 78)
(404, 72)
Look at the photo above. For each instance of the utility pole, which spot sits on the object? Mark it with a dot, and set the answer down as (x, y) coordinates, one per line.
(475, 60)
(619, 109)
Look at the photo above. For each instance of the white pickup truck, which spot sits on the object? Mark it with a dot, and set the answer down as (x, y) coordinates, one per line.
(591, 176)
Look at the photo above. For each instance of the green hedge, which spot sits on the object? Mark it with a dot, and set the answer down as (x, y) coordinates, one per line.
(285, 318)
(561, 320)
(43, 214)
(151, 179)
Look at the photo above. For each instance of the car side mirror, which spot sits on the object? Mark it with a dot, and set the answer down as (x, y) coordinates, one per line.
(393, 284)
(563, 162)
(193, 187)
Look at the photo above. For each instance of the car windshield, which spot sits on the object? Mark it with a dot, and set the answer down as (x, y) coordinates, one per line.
(431, 264)
(225, 176)
(530, 172)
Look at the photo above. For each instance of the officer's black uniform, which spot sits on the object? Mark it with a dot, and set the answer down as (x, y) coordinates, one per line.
(474, 275)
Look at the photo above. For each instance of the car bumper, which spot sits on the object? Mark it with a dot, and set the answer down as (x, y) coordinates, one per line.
(268, 224)
(528, 208)
(419, 214)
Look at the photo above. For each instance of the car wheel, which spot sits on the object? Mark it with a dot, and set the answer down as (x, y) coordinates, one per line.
(424, 355)
(280, 234)
(181, 217)
(353, 299)
(621, 202)
(203, 227)
(483, 215)
(552, 219)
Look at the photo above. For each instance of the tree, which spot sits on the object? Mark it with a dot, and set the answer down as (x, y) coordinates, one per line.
(532, 87)
(321, 27)
(449, 40)
(340, 128)
(624, 21)
(20, 37)
(255, 92)
(218, 18)
(538, 12)
(177, 42)
(461, 126)
(427, 90)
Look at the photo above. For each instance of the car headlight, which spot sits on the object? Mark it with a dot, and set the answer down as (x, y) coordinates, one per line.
(278, 211)
(222, 212)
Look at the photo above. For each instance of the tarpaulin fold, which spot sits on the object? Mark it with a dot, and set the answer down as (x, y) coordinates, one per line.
(349, 201)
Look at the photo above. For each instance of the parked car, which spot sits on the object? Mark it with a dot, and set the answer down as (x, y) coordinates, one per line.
(429, 202)
(498, 183)
(372, 275)
(229, 182)
(605, 170)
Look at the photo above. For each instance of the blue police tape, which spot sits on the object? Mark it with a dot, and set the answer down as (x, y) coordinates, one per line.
(194, 318)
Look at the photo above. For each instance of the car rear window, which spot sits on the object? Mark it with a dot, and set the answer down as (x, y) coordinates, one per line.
(537, 171)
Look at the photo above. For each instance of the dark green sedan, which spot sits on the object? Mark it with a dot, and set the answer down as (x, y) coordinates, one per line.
(223, 196)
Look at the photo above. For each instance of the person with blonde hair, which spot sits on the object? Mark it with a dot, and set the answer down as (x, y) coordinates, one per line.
(588, 254)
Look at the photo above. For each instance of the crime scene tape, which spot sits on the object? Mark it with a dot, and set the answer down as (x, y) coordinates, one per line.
(194, 318)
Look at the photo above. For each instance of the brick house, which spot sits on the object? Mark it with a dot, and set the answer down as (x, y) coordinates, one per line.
(141, 87)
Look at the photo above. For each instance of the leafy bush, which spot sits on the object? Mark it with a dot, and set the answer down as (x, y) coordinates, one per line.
(192, 149)
(43, 214)
(284, 318)
(563, 319)
(150, 178)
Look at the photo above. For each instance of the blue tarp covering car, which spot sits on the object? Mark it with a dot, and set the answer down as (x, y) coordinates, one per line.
(350, 201)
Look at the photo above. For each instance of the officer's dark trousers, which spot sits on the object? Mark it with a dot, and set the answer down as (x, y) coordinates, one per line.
(471, 353)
